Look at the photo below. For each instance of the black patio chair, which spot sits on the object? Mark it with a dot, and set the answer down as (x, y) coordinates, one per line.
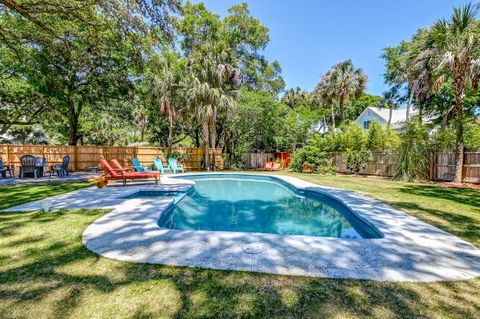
(27, 166)
(61, 169)
(4, 169)
(40, 163)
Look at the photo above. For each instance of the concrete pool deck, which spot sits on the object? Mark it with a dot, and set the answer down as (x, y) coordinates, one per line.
(411, 250)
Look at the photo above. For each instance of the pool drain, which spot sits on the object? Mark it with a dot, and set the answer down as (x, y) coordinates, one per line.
(253, 249)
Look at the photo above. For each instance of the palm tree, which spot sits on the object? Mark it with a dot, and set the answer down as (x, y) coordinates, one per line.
(213, 78)
(325, 97)
(391, 99)
(455, 50)
(400, 69)
(164, 77)
(344, 81)
(294, 97)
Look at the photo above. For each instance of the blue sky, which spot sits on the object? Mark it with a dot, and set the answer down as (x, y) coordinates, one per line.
(309, 36)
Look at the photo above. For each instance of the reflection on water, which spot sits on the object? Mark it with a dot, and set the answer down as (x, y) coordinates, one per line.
(256, 206)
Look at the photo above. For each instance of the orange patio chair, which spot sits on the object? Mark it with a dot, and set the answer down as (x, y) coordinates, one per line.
(124, 174)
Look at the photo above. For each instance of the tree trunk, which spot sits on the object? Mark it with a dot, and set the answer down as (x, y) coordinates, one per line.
(409, 104)
(213, 135)
(341, 104)
(197, 137)
(325, 127)
(205, 144)
(459, 84)
(72, 123)
(170, 131)
(333, 120)
(390, 113)
(142, 134)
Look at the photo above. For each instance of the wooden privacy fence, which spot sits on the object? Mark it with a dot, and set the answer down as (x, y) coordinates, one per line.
(383, 164)
(259, 159)
(84, 157)
(442, 165)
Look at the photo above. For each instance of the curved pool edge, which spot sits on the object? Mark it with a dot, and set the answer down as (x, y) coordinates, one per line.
(410, 250)
(358, 222)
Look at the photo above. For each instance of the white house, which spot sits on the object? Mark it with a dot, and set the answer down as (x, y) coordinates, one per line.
(382, 115)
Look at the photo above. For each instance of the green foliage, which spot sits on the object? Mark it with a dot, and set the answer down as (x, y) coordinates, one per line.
(254, 125)
(326, 143)
(443, 139)
(340, 85)
(472, 134)
(376, 136)
(294, 126)
(357, 159)
(312, 156)
(381, 137)
(352, 136)
(356, 106)
(414, 155)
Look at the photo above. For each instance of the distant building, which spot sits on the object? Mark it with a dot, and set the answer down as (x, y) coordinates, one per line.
(382, 115)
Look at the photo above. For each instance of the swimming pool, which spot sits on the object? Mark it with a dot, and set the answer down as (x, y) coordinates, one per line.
(262, 204)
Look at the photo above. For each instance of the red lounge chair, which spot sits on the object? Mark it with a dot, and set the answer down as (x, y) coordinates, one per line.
(276, 167)
(112, 174)
(117, 165)
(268, 166)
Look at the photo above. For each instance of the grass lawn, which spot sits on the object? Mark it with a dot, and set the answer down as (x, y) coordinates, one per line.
(19, 194)
(45, 271)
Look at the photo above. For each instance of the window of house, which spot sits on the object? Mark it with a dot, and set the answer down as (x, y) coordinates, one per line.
(366, 124)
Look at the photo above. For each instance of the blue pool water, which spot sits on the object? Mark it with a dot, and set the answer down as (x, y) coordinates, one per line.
(242, 203)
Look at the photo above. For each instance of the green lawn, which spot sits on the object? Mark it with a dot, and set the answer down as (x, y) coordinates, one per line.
(45, 272)
(19, 194)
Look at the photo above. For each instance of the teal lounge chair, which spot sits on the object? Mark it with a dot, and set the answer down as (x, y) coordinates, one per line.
(138, 167)
(172, 162)
(158, 164)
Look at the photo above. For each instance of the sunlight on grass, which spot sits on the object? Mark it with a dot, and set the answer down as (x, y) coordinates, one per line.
(20, 194)
(46, 272)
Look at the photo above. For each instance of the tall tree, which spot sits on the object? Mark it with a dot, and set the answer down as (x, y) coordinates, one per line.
(83, 53)
(213, 77)
(294, 97)
(455, 49)
(342, 83)
(391, 100)
(164, 77)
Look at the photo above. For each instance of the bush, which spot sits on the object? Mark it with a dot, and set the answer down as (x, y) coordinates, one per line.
(414, 158)
(356, 160)
(327, 170)
(352, 136)
(472, 134)
(311, 156)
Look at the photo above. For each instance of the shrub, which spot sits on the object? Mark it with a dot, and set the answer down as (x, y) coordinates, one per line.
(414, 156)
(310, 155)
(352, 136)
(356, 160)
(472, 134)
(381, 137)
(377, 136)
(327, 170)
(443, 139)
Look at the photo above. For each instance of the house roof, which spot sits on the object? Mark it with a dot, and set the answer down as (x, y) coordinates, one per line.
(398, 116)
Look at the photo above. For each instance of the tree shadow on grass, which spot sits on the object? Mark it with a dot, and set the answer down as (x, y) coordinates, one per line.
(465, 196)
(45, 271)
